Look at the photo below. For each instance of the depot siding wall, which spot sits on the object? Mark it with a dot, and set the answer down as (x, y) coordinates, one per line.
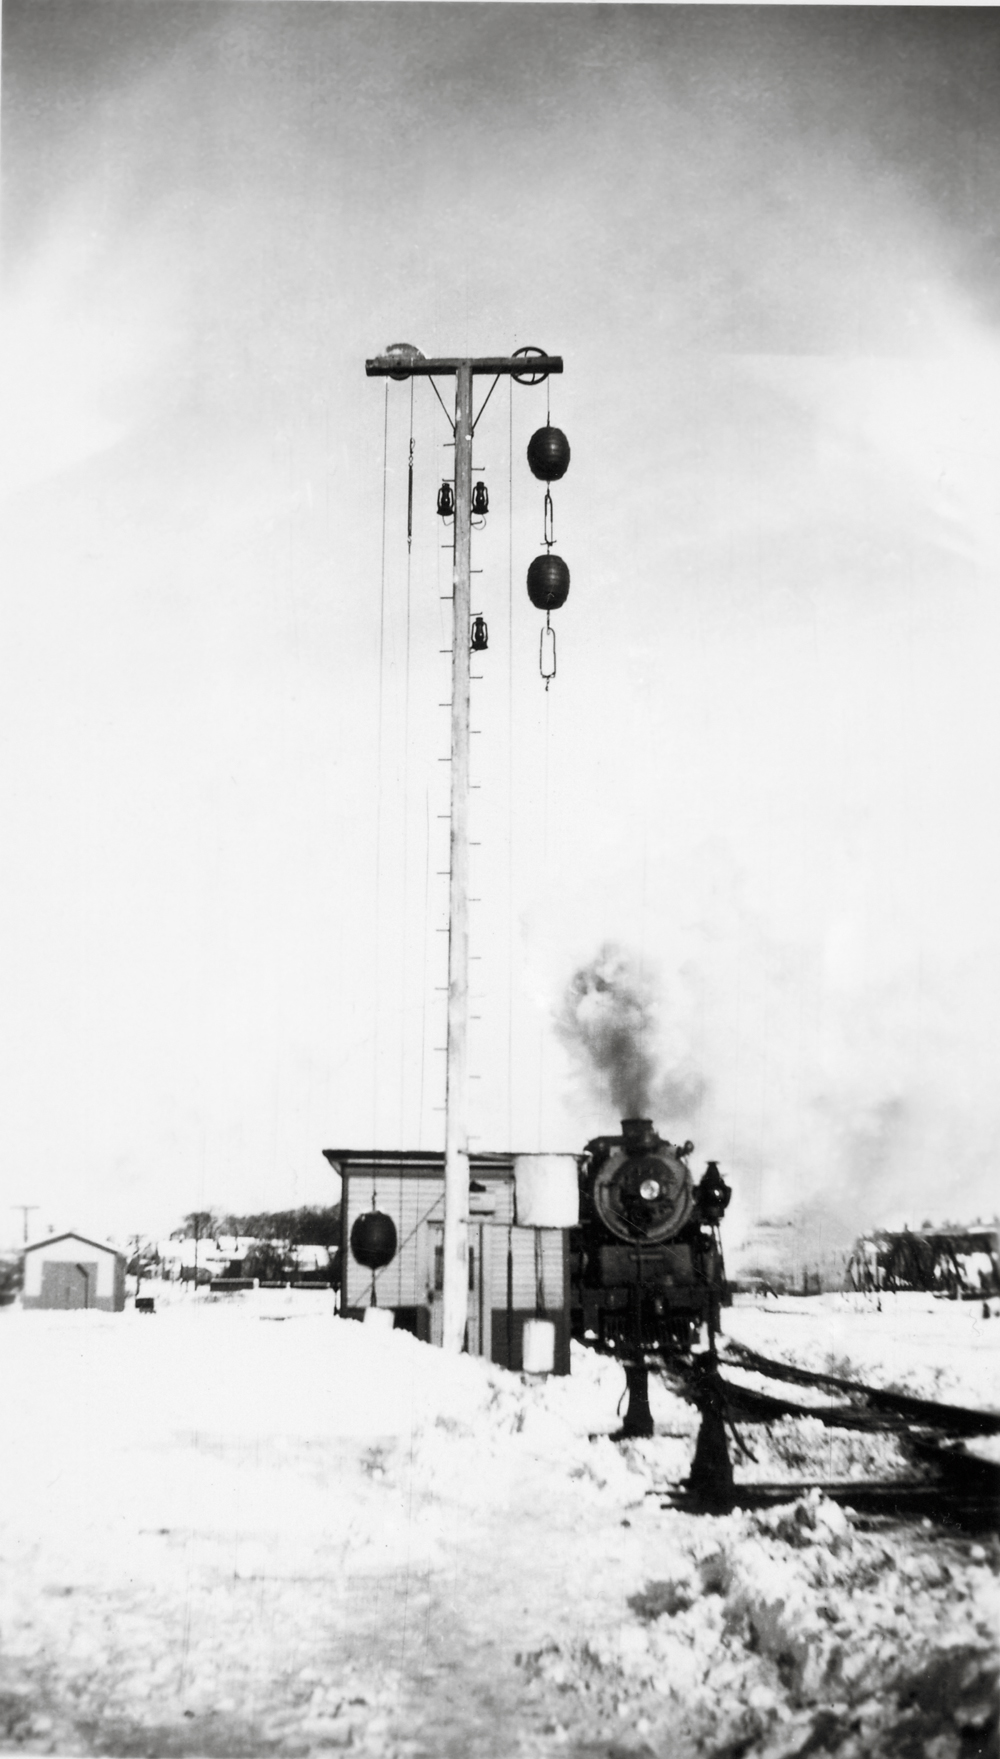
(539, 1277)
(412, 1203)
(415, 1201)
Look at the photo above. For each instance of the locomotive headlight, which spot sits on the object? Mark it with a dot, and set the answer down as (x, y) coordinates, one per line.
(650, 1190)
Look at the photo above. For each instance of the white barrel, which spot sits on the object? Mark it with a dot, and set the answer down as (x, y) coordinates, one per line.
(382, 1318)
(546, 1192)
(538, 1346)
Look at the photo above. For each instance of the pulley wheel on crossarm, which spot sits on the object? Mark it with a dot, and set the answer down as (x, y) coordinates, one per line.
(528, 378)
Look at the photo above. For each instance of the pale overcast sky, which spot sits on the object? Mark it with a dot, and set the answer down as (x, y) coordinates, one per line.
(765, 242)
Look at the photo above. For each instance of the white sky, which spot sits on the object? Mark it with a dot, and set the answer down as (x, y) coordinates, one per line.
(764, 241)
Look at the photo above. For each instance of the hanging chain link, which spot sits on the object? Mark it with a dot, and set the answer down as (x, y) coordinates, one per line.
(547, 638)
(548, 538)
(547, 651)
(409, 483)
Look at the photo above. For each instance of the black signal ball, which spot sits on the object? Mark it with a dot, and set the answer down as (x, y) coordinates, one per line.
(373, 1239)
(548, 582)
(548, 454)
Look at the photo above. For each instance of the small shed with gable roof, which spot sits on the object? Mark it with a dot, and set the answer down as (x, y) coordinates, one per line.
(70, 1270)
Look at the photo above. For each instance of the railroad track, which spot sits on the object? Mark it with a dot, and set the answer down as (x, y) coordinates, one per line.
(957, 1490)
(968, 1508)
(870, 1407)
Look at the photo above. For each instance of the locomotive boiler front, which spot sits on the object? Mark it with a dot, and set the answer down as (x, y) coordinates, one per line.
(642, 1189)
(646, 1261)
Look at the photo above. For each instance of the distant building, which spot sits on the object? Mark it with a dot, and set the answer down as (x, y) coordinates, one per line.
(805, 1252)
(69, 1270)
(959, 1261)
(179, 1258)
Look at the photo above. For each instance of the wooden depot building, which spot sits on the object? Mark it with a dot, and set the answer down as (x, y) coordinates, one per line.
(517, 1272)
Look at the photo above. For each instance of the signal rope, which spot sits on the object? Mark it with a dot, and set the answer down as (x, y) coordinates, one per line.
(378, 779)
(510, 762)
(545, 871)
(423, 986)
(446, 638)
(406, 784)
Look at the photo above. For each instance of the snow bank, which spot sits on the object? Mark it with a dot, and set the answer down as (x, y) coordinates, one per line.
(789, 1632)
(244, 1527)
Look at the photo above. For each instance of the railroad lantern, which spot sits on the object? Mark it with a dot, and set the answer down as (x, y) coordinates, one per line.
(713, 1193)
(548, 582)
(548, 454)
(373, 1239)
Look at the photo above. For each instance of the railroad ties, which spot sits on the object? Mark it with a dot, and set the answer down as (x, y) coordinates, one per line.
(961, 1490)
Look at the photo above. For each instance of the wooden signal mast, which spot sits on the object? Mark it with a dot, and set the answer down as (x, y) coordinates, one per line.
(529, 367)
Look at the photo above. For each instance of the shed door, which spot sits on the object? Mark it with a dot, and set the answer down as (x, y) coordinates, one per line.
(69, 1285)
(480, 1298)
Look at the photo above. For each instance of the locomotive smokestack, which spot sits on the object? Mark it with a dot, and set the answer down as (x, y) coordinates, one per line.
(639, 1135)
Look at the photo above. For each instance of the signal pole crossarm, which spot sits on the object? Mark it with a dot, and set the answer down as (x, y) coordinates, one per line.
(389, 366)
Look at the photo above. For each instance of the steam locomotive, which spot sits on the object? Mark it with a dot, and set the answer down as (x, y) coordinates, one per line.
(646, 1266)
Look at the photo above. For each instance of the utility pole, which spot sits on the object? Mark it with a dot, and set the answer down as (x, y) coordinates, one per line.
(25, 1209)
(136, 1240)
(530, 367)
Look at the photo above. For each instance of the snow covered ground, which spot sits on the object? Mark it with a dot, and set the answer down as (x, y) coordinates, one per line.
(908, 1343)
(240, 1526)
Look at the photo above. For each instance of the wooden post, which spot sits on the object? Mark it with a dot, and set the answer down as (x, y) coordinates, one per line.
(455, 1295)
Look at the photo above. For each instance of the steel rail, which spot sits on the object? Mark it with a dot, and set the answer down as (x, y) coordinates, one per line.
(956, 1419)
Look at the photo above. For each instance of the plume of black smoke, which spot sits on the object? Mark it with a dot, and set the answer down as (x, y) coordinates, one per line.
(610, 1022)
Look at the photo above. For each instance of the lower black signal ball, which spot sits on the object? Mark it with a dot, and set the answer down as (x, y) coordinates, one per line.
(548, 582)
